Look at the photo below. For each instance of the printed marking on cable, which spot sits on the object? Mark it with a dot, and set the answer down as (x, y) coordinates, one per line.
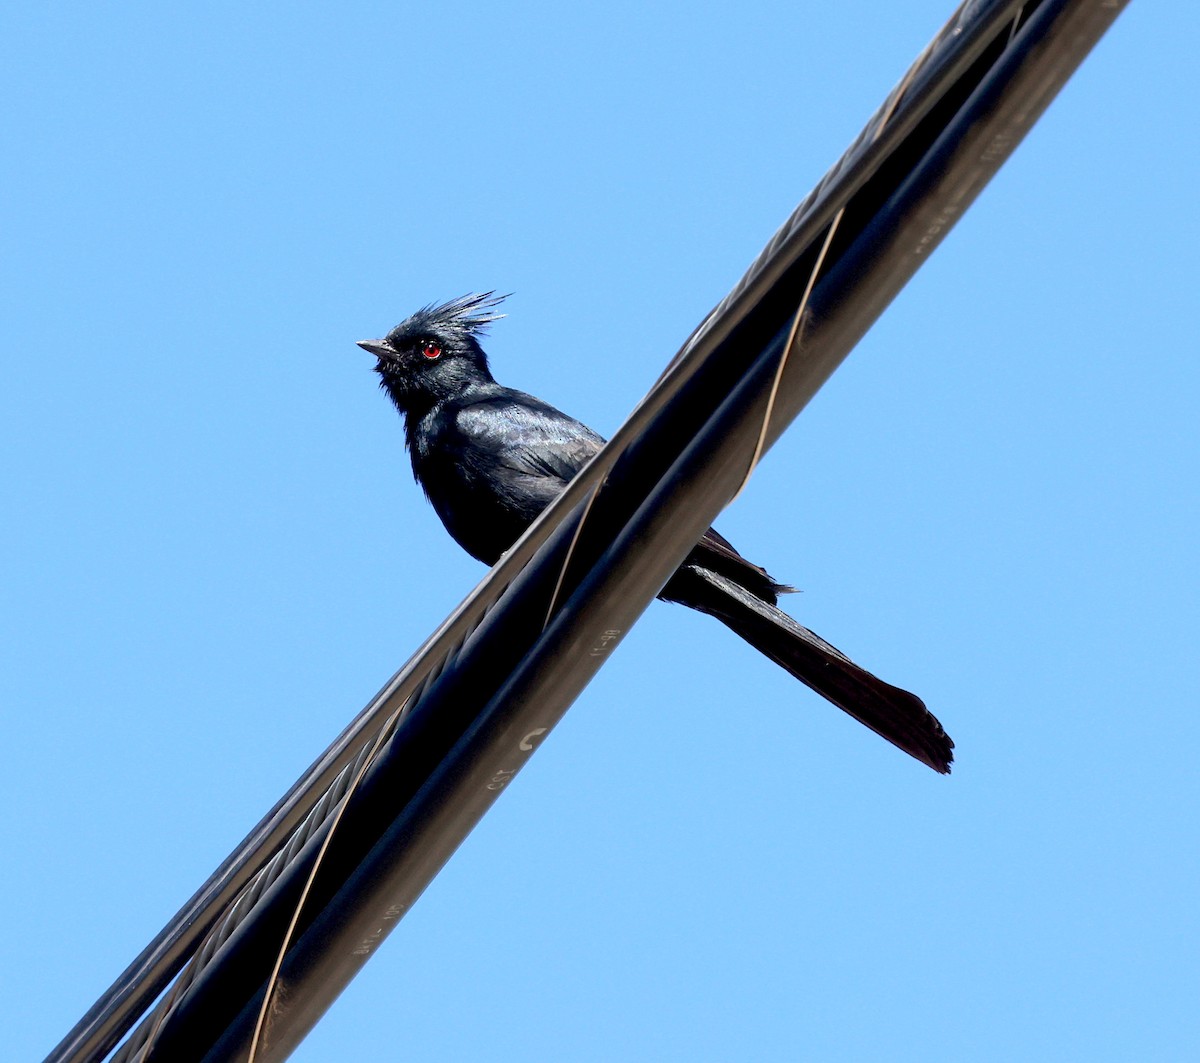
(605, 642)
(999, 146)
(366, 946)
(939, 225)
(501, 779)
(525, 742)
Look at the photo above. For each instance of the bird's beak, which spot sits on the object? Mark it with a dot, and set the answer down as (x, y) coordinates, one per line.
(379, 348)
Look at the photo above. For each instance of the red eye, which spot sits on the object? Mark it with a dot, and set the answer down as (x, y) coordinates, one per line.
(431, 349)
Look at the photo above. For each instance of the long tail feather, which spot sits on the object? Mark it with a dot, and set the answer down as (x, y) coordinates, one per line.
(890, 712)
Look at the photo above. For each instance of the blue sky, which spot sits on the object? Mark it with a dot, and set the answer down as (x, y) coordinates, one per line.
(214, 553)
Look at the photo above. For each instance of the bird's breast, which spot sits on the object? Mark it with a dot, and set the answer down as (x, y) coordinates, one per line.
(481, 519)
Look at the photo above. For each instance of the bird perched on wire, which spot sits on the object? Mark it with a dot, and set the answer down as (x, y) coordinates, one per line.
(491, 459)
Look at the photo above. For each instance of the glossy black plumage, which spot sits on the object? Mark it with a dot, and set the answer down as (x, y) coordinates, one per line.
(490, 459)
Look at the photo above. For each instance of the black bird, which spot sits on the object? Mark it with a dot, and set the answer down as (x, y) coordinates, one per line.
(491, 459)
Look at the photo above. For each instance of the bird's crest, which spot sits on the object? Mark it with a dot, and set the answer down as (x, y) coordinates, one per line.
(468, 315)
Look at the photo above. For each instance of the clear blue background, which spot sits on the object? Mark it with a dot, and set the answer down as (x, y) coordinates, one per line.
(214, 554)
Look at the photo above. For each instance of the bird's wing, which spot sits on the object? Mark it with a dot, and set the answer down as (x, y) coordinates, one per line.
(716, 553)
(536, 450)
(527, 437)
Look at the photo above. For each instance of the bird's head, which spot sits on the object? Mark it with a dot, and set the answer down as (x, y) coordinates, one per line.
(435, 353)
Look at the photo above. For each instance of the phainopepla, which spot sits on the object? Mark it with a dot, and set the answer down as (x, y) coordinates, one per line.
(491, 459)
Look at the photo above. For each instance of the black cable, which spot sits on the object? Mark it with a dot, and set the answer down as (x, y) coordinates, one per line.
(467, 685)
